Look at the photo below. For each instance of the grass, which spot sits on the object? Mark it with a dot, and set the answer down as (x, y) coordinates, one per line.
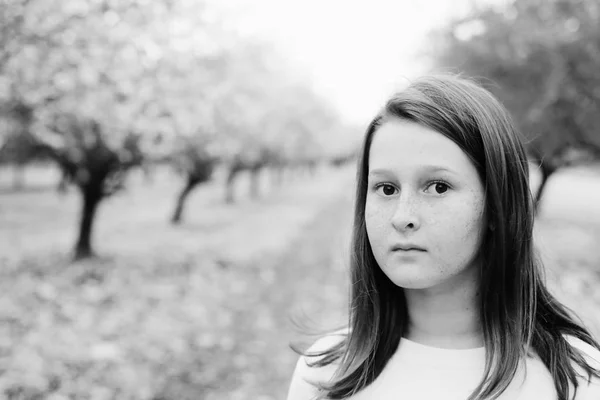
(572, 259)
(166, 312)
(199, 311)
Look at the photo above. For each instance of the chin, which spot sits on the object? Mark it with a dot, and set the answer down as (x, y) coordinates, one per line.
(412, 282)
(414, 285)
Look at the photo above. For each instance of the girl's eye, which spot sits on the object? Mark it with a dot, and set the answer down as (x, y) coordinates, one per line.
(386, 189)
(439, 187)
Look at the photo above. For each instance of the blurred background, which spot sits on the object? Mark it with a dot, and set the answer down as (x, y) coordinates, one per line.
(176, 176)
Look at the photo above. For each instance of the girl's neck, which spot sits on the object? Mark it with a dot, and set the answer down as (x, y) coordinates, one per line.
(444, 317)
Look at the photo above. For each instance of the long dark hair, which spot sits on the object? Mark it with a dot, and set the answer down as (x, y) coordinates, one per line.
(518, 313)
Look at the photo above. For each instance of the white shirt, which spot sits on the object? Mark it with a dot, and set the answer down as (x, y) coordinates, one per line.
(419, 372)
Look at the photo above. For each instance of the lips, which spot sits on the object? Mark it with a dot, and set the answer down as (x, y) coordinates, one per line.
(407, 247)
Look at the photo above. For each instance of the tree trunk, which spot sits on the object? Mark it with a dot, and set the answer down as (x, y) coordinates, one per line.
(63, 183)
(277, 175)
(233, 172)
(176, 219)
(312, 169)
(546, 169)
(91, 198)
(254, 183)
(147, 172)
(18, 176)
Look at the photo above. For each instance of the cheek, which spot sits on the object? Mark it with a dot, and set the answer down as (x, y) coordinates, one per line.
(372, 214)
(375, 222)
(378, 211)
(459, 226)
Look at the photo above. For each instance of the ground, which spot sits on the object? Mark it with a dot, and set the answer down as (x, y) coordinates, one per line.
(207, 310)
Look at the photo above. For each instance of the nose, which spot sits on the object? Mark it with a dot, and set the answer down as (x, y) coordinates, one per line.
(406, 217)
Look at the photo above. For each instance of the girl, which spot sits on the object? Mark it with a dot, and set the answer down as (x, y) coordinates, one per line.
(447, 299)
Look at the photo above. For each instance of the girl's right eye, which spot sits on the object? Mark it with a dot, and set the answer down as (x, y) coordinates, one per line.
(386, 189)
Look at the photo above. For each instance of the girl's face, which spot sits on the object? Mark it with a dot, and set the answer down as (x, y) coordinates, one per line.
(425, 207)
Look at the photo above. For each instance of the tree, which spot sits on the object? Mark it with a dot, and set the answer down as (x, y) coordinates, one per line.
(194, 160)
(98, 169)
(95, 75)
(542, 59)
(276, 126)
(104, 79)
(17, 146)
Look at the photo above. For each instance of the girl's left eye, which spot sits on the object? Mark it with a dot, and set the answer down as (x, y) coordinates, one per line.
(438, 187)
(386, 189)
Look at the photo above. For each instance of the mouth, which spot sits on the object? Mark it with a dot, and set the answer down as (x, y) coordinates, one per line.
(407, 247)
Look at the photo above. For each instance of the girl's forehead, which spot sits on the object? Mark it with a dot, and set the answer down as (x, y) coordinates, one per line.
(399, 144)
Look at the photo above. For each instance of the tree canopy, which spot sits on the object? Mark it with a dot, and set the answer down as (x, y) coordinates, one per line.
(103, 86)
(541, 58)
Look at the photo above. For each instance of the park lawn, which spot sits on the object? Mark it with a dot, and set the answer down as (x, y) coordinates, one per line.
(196, 311)
(571, 256)
(200, 311)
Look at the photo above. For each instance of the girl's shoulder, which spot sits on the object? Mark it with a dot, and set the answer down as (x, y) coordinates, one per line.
(314, 354)
(307, 376)
(327, 341)
(587, 390)
(589, 352)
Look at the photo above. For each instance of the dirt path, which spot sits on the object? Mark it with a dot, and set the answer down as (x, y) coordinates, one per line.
(194, 312)
(308, 279)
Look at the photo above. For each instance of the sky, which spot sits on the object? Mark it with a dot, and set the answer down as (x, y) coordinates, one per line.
(357, 52)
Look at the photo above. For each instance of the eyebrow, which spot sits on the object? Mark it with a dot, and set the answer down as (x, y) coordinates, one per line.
(426, 168)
